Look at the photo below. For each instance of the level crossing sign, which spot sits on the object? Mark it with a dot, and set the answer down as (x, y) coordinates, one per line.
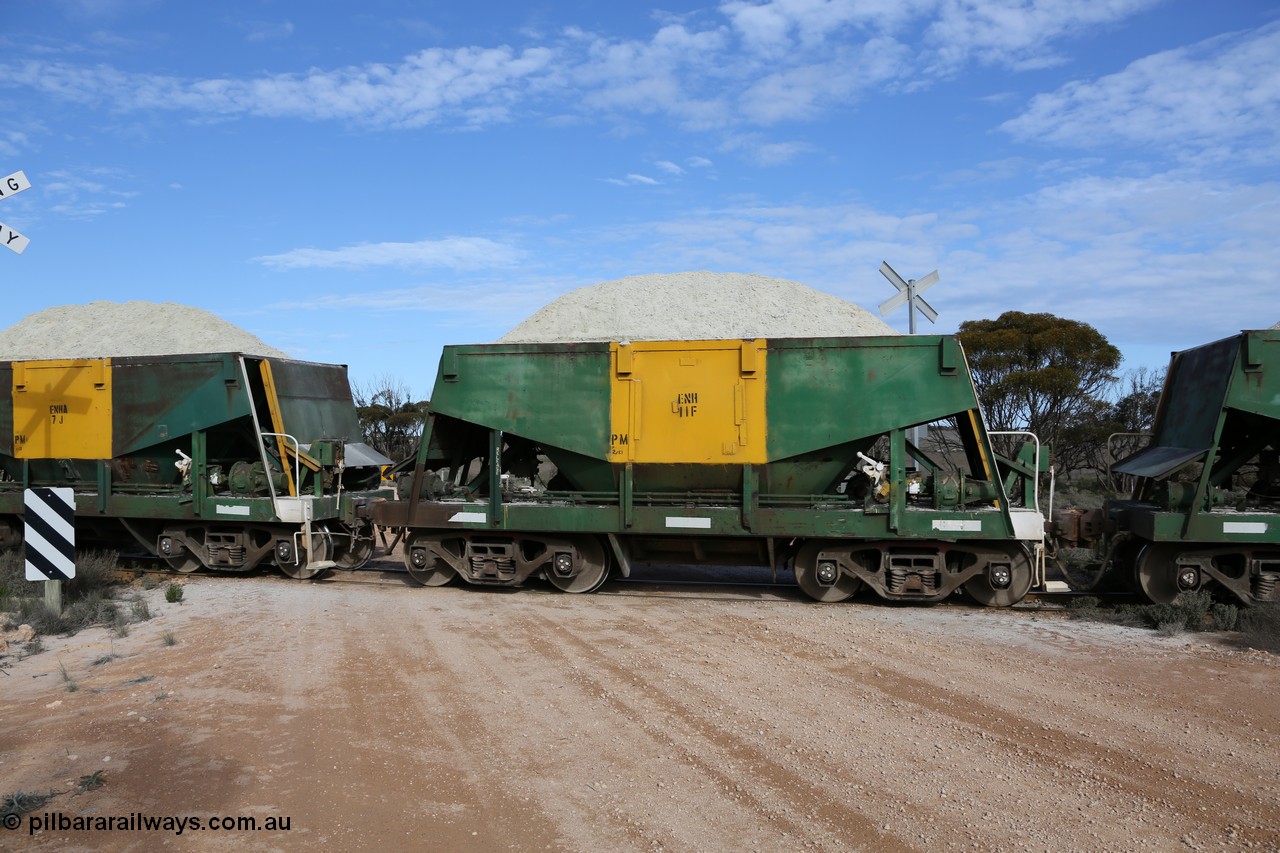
(908, 294)
(12, 185)
(50, 533)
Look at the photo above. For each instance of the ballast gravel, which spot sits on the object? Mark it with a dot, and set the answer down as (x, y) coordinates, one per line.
(119, 329)
(695, 306)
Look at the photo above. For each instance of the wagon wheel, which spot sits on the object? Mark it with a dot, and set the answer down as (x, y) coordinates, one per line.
(357, 554)
(176, 556)
(593, 568)
(1155, 573)
(1001, 587)
(822, 580)
(318, 550)
(433, 571)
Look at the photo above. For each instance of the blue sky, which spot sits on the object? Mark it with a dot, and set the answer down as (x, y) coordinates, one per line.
(365, 182)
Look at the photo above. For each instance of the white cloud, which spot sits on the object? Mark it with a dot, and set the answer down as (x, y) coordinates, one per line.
(1221, 94)
(1017, 34)
(459, 253)
(84, 195)
(669, 167)
(268, 30)
(467, 85)
(759, 64)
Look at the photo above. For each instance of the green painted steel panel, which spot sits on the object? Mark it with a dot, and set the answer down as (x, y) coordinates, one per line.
(828, 392)
(157, 399)
(315, 400)
(554, 394)
(1256, 385)
(830, 398)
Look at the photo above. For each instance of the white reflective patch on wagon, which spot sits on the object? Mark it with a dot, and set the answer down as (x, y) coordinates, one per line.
(470, 517)
(691, 523)
(1244, 527)
(223, 509)
(959, 525)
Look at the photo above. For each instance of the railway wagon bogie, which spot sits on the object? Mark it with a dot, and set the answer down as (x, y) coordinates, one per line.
(564, 460)
(220, 461)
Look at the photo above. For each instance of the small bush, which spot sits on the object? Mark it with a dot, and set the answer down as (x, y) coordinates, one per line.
(1260, 627)
(169, 639)
(141, 611)
(86, 597)
(1225, 617)
(1190, 610)
(173, 593)
(96, 572)
(20, 802)
(1171, 628)
(91, 782)
(1085, 607)
(95, 608)
(70, 682)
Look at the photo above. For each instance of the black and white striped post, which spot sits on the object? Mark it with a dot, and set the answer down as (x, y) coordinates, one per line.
(51, 540)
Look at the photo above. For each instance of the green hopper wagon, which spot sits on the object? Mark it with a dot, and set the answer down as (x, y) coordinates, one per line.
(214, 460)
(1205, 511)
(563, 460)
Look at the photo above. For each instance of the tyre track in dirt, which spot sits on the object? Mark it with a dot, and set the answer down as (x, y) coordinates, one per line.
(781, 791)
(380, 717)
(1143, 769)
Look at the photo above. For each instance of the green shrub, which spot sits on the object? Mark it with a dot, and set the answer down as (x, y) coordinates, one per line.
(1086, 607)
(1260, 627)
(1225, 617)
(173, 593)
(86, 597)
(1190, 610)
(20, 802)
(92, 781)
(96, 572)
(95, 608)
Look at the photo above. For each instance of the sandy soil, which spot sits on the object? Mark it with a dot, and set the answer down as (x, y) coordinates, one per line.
(380, 716)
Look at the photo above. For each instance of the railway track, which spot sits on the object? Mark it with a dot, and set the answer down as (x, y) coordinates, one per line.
(390, 572)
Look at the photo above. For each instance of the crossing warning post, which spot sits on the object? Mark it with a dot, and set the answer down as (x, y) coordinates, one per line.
(50, 536)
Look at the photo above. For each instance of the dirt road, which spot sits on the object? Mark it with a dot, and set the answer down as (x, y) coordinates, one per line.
(381, 716)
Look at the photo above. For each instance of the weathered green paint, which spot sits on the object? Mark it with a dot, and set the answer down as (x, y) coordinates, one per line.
(828, 392)
(202, 405)
(556, 395)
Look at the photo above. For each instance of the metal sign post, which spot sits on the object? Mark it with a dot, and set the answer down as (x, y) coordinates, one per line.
(50, 515)
(909, 294)
(12, 185)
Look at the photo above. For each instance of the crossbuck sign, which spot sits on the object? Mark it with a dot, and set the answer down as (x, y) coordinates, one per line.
(12, 185)
(908, 294)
